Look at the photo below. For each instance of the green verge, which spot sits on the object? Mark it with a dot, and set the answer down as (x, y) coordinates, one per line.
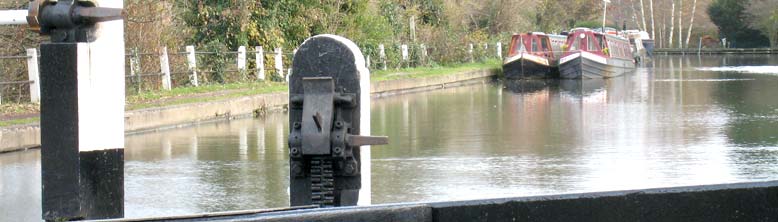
(207, 93)
(410, 73)
(21, 121)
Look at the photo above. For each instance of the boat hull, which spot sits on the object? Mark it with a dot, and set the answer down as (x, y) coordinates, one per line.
(589, 66)
(527, 68)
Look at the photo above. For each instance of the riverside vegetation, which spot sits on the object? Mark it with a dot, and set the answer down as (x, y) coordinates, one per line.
(445, 27)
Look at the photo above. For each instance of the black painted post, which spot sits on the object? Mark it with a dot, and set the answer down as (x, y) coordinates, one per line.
(329, 113)
(81, 179)
(82, 113)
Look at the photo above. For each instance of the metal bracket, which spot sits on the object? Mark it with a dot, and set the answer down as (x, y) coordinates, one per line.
(317, 115)
(69, 20)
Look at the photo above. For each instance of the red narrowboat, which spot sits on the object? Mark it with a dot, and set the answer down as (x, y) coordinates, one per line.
(533, 56)
(594, 55)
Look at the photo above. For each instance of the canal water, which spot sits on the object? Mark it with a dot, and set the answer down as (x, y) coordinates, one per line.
(680, 121)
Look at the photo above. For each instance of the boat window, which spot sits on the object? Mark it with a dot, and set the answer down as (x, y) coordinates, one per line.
(521, 45)
(534, 44)
(591, 46)
(544, 43)
(576, 44)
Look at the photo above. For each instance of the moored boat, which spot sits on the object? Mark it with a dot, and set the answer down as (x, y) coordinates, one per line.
(533, 56)
(593, 55)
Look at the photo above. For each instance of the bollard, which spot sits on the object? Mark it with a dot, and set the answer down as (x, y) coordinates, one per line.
(279, 62)
(329, 94)
(33, 75)
(260, 60)
(82, 114)
(191, 61)
(164, 66)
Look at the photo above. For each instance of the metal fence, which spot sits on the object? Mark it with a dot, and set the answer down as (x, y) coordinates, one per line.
(165, 70)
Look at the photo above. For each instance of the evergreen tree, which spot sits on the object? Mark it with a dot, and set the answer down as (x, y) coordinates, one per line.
(732, 20)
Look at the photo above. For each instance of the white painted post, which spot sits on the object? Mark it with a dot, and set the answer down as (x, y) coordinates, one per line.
(242, 59)
(404, 49)
(134, 62)
(423, 49)
(191, 61)
(382, 55)
(279, 61)
(470, 52)
(13, 17)
(33, 75)
(288, 73)
(367, 61)
(260, 60)
(164, 66)
(499, 50)
(486, 46)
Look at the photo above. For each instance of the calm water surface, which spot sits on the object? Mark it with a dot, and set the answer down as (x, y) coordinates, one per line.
(681, 121)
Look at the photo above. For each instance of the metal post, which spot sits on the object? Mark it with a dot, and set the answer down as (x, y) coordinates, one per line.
(260, 60)
(33, 75)
(82, 123)
(164, 65)
(191, 61)
(242, 60)
(382, 55)
(279, 62)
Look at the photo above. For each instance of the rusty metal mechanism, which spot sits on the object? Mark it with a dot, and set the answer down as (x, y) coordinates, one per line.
(323, 143)
(69, 20)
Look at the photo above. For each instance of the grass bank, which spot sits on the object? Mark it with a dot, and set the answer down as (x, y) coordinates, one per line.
(19, 114)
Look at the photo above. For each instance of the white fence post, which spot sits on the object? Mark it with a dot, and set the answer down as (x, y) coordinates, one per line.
(242, 60)
(470, 52)
(164, 66)
(134, 62)
(279, 62)
(499, 50)
(423, 49)
(260, 60)
(33, 74)
(382, 55)
(191, 61)
(367, 61)
(404, 49)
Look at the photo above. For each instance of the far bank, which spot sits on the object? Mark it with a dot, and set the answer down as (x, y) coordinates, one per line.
(165, 113)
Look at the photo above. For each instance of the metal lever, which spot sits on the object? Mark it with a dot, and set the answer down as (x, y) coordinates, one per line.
(355, 140)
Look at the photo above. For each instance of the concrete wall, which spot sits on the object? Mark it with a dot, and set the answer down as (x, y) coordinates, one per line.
(160, 118)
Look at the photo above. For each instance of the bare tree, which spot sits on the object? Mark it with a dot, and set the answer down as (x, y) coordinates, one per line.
(691, 23)
(643, 13)
(672, 25)
(680, 24)
(653, 28)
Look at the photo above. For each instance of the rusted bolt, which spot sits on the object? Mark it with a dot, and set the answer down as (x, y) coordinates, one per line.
(337, 150)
